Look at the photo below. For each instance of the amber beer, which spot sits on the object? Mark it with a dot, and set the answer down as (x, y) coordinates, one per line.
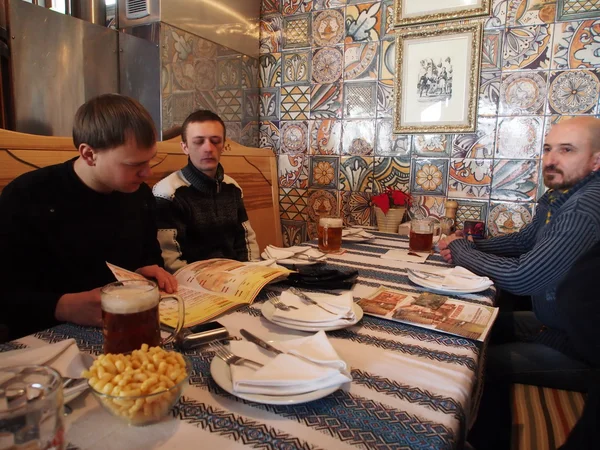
(330, 234)
(421, 235)
(130, 315)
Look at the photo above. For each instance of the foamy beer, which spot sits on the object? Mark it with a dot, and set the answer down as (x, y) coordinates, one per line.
(130, 315)
(330, 234)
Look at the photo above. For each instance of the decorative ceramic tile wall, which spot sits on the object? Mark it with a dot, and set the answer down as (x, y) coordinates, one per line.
(199, 74)
(329, 119)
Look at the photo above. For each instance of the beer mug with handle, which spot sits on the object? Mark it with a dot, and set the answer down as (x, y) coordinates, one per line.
(130, 315)
(421, 234)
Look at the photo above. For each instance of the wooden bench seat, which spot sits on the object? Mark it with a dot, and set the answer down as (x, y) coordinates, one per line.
(255, 170)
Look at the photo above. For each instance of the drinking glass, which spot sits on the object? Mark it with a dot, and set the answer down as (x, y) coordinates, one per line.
(329, 231)
(421, 235)
(130, 315)
(31, 408)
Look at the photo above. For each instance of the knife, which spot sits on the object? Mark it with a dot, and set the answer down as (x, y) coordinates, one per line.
(258, 341)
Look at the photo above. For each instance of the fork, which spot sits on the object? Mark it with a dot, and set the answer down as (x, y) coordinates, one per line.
(222, 352)
(307, 299)
(277, 303)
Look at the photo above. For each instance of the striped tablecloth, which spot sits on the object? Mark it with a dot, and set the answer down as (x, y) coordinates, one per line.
(411, 388)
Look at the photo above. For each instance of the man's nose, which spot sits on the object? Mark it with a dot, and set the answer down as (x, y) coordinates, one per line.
(145, 172)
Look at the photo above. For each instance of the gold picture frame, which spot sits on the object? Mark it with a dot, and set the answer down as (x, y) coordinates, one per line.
(436, 87)
(414, 12)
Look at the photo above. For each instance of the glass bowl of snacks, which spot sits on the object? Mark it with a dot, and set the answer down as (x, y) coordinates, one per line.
(139, 387)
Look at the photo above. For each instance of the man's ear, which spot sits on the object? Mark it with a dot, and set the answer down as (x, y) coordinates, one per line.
(184, 148)
(88, 154)
(596, 162)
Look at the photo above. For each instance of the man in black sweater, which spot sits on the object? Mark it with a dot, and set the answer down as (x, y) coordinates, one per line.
(201, 213)
(59, 225)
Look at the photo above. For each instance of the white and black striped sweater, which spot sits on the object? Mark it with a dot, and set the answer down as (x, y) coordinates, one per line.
(201, 218)
(535, 260)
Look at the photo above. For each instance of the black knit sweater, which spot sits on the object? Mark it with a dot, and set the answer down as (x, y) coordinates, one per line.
(56, 235)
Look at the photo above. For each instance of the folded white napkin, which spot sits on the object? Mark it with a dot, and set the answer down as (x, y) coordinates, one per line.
(400, 254)
(308, 314)
(63, 356)
(359, 233)
(299, 252)
(285, 374)
(457, 278)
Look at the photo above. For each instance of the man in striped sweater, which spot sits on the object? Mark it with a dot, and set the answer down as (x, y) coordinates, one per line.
(532, 347)
(201, 213)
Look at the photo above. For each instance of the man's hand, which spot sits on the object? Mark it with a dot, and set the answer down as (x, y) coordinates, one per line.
(82, 308)
(164, 279)
(443, 244)
(447, 255)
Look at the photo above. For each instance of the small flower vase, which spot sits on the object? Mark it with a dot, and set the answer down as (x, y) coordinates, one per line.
(389, 223)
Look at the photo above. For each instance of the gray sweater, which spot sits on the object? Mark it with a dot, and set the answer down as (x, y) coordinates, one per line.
(535, 260)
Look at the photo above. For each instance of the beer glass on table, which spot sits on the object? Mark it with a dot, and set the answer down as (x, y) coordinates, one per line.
(130, 315)
(329, 231)
(421, 235)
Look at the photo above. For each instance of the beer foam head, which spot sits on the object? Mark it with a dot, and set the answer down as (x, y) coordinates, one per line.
(129, 299)
(332, 222)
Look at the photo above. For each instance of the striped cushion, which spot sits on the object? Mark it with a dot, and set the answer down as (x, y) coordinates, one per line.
(543, 417)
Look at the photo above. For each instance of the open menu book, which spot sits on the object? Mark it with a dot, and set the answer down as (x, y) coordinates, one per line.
(432, 311)
(210, 288)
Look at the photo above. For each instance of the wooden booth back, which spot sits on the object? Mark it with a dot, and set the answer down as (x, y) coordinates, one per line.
(254, 169)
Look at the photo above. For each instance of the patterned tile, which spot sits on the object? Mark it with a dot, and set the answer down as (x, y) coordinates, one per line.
(356, 208)
(356, 174)
(387, 68)
(577, 9)
(293, 171)
(270, 7)
(470, 178)
(476, 145)
(326, 101)
(506, 218)
(234, 131)
(429, 176)
(289, 7)
(249, 72)
(389, 144)
(269, 70)
(468, 210)
(250, 104)
(295, 102)
(229, 72)
(229, 104)
(519, 137)
(432, 144)
(295, 67)
(325, 137)
(385, 98)
(530, 12)
(205, 100)
(322, 202)
(360, 61)
(296, 31)
(205, 74)
(326, 4)
(523, 93)
(166, 82)
(391, 172)
(489, 93)
(249, 136)
(271, 35)
(324, 172)
(498, 15)
(527, 47)
(358, 137)
(327, 64)
(427, 206)
(269, 104)
(293, 203)
(293, 232)
(313, 232)
(515, 180)
(573, 92)
(294, 137)
(328, 27)
(491, 52)
(387, 21)
(360, 101)
(268, 133)
(576, 45)
(363, 22)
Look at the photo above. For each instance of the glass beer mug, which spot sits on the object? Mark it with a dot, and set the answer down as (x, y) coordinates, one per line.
(421, 234)
(130, 315)
(329, 231)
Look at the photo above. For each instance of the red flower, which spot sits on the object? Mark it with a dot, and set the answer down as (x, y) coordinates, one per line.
(390, 198)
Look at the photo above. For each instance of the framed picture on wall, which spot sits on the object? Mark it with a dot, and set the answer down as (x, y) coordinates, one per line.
(412, 12)
(437, 78)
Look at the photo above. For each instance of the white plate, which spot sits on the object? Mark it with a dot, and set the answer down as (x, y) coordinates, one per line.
(222, 376)
(442, 290)
(294, 261)
(268, 310)
(353, 238)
